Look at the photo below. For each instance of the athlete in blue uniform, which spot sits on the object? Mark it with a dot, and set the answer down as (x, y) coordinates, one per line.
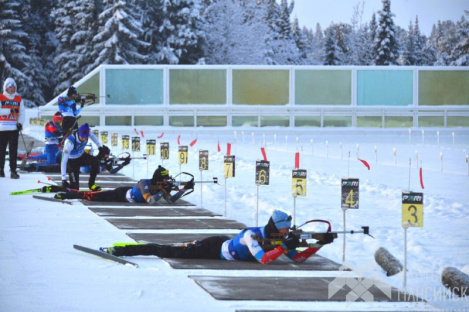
(145, 191)
(53, 132)
(68, 108)
(74, 157)
(244, 247)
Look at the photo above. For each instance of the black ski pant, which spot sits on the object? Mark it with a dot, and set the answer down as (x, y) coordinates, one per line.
(10, 139)
(208, 248)
(115, 195)
(73, 167)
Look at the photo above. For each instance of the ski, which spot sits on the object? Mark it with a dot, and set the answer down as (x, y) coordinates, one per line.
(105, 255)
(44, 189)
(53, 199)
(26, 155)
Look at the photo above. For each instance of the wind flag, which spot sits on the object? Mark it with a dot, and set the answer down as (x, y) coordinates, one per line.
(263, 153)
(365, 163)
(421, 178)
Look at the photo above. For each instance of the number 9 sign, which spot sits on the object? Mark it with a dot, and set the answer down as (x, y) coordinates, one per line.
(412, 209)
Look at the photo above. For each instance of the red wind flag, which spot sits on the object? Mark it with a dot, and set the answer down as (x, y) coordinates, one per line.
(297, 160)
(263, 153)
(228, 149)
(193, 142)
(219, 149)
(365, 163)
(161, 135)
(179, 140)
(135, 129)
(141, 132)
(421, 178)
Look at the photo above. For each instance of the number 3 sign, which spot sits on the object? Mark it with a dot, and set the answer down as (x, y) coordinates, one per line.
(412, 209)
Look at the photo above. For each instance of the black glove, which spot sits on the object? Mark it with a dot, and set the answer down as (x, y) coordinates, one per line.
(168, 187)
(189, 185)
(19, 126)
(103, 150)
(15, 110)
(327, 239)
(82, 102)
(291, 241)
(126, 161)
(65, 184)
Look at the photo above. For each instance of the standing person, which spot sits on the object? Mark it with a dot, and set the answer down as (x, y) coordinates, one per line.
(53, 133)
(74, 157)
(68, 108)
(11, 122)
(244, 247)
(145, 191)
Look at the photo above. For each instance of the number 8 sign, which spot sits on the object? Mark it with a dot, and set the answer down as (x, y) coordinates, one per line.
(412, 209)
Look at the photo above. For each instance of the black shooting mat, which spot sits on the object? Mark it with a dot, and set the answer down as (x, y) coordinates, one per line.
(283, 263)
(103, 176)
(299, 289)
(173, 224)
(153, 212)
(161, 203)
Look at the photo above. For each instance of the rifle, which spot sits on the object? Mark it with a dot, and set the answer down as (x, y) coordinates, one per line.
(175, 184)
(69, 132)
(303, 236)
(115, 159)
(83, 98)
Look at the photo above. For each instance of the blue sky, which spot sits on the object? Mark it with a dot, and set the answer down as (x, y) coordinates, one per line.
(310, 12)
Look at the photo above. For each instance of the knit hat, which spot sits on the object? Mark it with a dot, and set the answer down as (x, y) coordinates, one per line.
(84, 130)
(72, 90)
(159, 174)
(281, 219)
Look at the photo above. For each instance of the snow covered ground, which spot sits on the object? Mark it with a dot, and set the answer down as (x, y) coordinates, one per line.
(40, 271)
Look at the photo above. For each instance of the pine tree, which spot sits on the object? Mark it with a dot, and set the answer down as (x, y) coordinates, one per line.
(35, 70)
(410, 49)
(180, 34)
(281, 48)
(65, 61)
(420, 42)
(13, 42)
(331, 50)
(301, 42)
(387, 45)
(461, 51)
(234, 35)
(86, 27)
(117, 41)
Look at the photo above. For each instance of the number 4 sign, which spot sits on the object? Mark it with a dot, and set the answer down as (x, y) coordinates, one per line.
(412, 209)
(349, 198)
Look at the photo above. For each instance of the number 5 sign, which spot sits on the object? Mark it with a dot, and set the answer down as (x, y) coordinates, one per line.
(412, 209)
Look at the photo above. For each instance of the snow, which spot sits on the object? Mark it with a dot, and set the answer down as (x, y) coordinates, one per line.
(40, 271)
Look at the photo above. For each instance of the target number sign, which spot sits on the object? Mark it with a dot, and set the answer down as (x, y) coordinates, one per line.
(412, 209)
(350, 193)
(299, 182)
